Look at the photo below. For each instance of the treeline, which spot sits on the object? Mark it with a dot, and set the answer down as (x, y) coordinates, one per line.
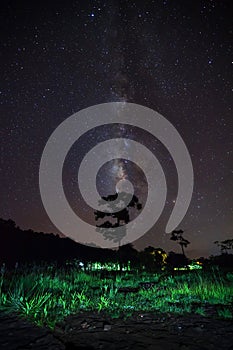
(19, 246)
(22, 246)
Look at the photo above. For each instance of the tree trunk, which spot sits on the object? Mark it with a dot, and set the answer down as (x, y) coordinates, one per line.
(182, 248)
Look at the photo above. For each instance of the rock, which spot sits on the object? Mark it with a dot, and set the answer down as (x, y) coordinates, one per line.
(84, 324)
(17, 333)
(147, 285)
(107, 327)
(95, 331)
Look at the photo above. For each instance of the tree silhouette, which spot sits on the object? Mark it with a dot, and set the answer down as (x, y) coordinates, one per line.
(225, 245)
(119, 218)
(177, 235)
(153, 258)
(176, 260)
(127, 253)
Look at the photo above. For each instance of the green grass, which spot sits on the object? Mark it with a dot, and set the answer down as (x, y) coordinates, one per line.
(46, 295)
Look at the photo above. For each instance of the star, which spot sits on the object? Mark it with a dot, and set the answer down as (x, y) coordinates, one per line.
(167, 57)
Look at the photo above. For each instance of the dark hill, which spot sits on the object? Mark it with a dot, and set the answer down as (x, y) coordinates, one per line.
(22, 246)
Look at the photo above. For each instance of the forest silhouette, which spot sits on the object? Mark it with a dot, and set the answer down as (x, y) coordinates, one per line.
(19, 246)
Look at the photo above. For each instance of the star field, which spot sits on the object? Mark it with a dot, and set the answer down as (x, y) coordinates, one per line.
(172, 56)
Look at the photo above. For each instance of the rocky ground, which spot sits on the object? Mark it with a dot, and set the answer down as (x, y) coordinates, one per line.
(91, 331)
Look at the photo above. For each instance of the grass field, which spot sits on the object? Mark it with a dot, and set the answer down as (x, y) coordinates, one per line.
(47, 294)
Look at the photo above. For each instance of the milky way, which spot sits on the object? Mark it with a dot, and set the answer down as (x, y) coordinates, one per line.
(172, 56)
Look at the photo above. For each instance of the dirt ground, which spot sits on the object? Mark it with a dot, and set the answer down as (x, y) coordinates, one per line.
(93, 331)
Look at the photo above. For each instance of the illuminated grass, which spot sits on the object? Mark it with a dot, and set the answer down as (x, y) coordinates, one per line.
(46, 295)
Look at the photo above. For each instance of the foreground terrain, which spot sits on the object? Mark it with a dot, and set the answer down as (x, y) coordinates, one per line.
(45, 307)
(97, 331)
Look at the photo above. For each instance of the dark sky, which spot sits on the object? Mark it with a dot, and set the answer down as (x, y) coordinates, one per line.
(172, 56)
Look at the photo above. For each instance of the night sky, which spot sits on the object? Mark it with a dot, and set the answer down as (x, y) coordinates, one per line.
(172, 56)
